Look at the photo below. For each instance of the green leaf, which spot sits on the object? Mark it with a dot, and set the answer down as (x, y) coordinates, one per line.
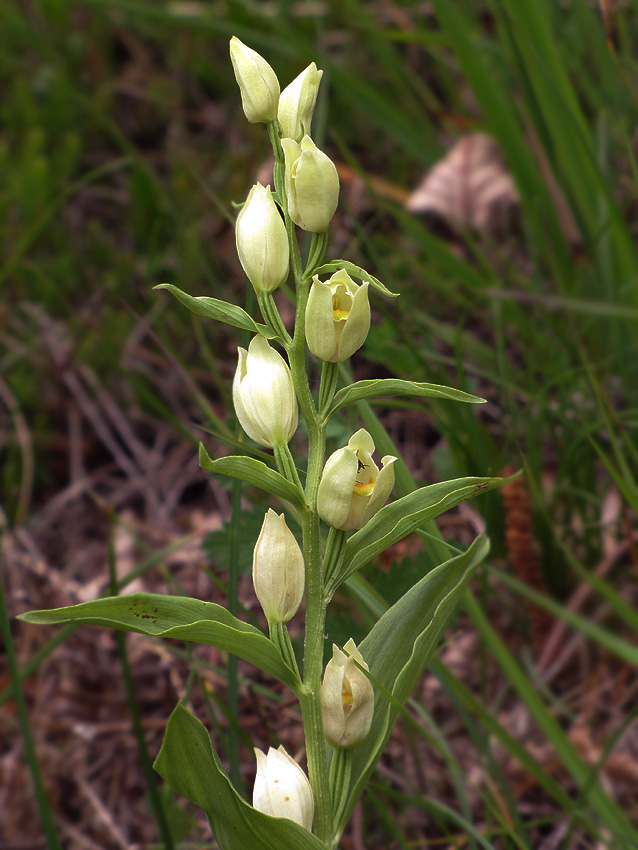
(253, 472)
(356, 271)
(222, 311)
(176, 617)
(190, 765)
(398, 519)
(381, 388)
(399, 647)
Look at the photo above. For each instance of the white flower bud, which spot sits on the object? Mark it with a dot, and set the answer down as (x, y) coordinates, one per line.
(347, 699)
(262, 243)
(337, 317)
(264, 395)
(278, 569)
(282, 788)
(352, 489)
(297, 103)
(257, 82)
(312, 185)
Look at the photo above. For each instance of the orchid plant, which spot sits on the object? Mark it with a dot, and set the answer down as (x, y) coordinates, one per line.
(348, 709)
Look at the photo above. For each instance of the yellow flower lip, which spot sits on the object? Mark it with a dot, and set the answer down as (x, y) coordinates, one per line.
(364, 489)
(347, 699)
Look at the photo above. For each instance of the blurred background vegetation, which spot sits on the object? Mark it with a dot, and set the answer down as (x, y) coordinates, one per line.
(122, 150)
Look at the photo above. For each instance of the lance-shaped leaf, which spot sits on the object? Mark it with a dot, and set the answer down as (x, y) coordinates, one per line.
(355, 271)
(190, 765)
(222, 311)
(383, 387)
(253, 472)
(398, 519)
(399, 647)
(176, 617)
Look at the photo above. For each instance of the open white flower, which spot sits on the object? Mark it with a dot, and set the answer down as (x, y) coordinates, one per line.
(347, 698)
(337, 317)
(352, 488)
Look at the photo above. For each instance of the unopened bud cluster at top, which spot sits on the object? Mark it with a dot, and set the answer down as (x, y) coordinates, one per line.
(311, 179)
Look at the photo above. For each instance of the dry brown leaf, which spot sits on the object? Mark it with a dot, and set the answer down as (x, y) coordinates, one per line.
(470, 187)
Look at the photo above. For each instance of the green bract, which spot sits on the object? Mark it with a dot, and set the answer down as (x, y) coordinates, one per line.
(337, 317)
(179, 618)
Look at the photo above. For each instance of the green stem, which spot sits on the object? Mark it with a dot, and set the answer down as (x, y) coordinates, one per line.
(42, 803)
(310, 698)
(313, 668)
(329, 377)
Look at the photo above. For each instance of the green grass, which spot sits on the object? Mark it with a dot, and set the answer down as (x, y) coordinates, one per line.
(123, 147)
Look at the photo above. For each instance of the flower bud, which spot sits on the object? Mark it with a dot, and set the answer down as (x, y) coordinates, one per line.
(262, 243)
(264, 395)
(297, 103)
(352, 489)
(347, 699)
(257, 82)
(282, 788)
(278, 569)
(312, 185)
(337, 317)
